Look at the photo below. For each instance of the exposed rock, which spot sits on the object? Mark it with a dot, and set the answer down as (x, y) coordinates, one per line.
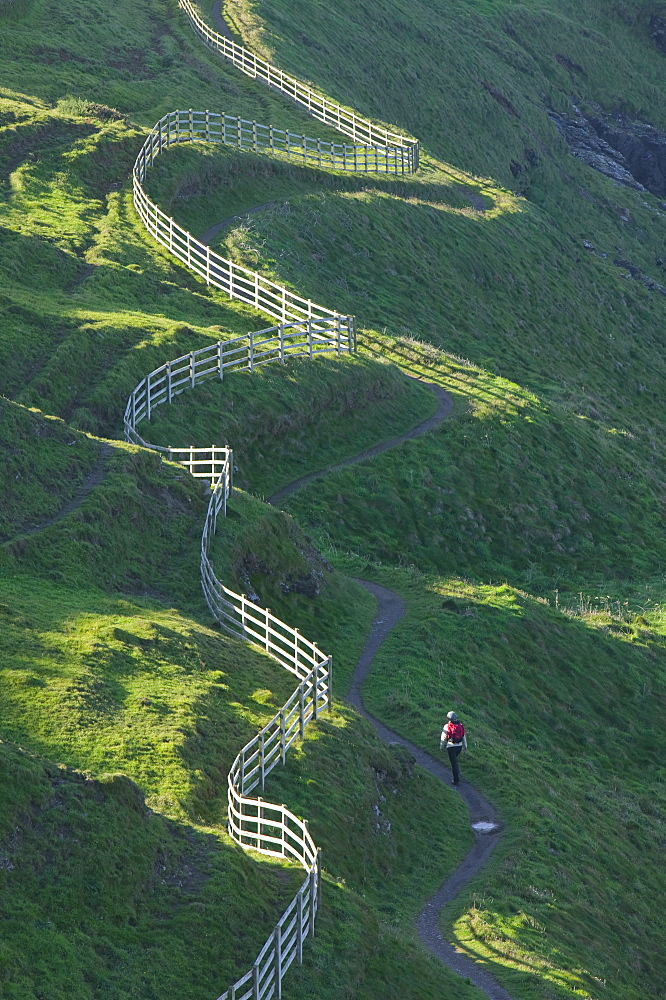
(586, 145)
(632, 270)
(658, 31)
(631, 152)
(643, 148)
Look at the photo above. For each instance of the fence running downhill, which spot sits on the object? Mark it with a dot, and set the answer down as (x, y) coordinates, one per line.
(304, 329)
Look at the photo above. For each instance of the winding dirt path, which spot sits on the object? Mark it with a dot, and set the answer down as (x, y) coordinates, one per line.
(391, 609)
(93, 479)
(489, 830)
(211, 233)
(444, 408)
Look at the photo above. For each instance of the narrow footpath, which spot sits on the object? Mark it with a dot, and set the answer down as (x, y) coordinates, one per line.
(444, 408)
(483, 817)
(92, 480)
(484, 821)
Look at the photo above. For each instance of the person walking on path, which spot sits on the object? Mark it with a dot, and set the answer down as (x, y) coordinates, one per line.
(455, 741)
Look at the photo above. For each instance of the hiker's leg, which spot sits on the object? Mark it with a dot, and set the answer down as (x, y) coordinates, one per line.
(453, 757)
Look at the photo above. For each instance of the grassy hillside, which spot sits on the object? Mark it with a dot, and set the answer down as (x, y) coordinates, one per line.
(135, 697)
(565, 714)
(549, 476)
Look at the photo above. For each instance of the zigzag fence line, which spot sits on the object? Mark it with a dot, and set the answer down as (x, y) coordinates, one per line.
(304, 329)
(341, 119)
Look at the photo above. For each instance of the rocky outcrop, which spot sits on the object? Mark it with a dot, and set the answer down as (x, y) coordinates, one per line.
(631, 152)
(630, 269)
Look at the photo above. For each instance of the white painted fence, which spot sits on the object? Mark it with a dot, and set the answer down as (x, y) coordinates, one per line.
(304, 329)
(253, 823)
(341, 119)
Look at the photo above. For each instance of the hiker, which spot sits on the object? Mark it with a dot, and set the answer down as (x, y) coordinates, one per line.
(455, 741)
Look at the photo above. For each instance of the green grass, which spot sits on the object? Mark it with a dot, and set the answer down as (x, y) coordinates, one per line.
(565, 720)
(286, 421)
(113, 686)
(100, 674)
(455, 500)
(549, 476)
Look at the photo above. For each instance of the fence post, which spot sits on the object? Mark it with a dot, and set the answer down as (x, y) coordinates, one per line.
(313, 897)
(262, 737)
(168, 368)
(301, 710)
(242, 611)
(255, 981)
(278, 961)
(242, 775)
(299, 920)
(310, 337)
(207, 265)
(268, 640)
(191, 120)
(254, 135)
(220, 361)
(315, 686)
(239, 128)
(282, 737)
(207, 125)
(250, 352)
(330, 684)
(281, 336)
(338, 334)
(192, 369)
(148, 396)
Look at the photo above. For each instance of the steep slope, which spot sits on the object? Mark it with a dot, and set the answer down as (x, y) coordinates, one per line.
(563, 385)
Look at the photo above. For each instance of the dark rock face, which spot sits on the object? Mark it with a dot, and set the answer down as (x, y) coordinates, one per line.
(658, 31)
(643, 148)
(631, 152)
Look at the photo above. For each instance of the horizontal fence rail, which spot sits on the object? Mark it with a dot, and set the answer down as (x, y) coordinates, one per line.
(252, 822)
(342, 119)
(303, 329)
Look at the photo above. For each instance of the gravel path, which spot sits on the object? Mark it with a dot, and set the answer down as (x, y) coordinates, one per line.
(391, 609)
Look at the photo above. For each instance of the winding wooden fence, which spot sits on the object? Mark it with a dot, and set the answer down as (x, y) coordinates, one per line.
(304, 329)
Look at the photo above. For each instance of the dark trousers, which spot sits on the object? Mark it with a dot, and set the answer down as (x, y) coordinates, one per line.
(453, 753)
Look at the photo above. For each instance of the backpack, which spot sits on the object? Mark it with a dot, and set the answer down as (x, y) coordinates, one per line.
(456, 732)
